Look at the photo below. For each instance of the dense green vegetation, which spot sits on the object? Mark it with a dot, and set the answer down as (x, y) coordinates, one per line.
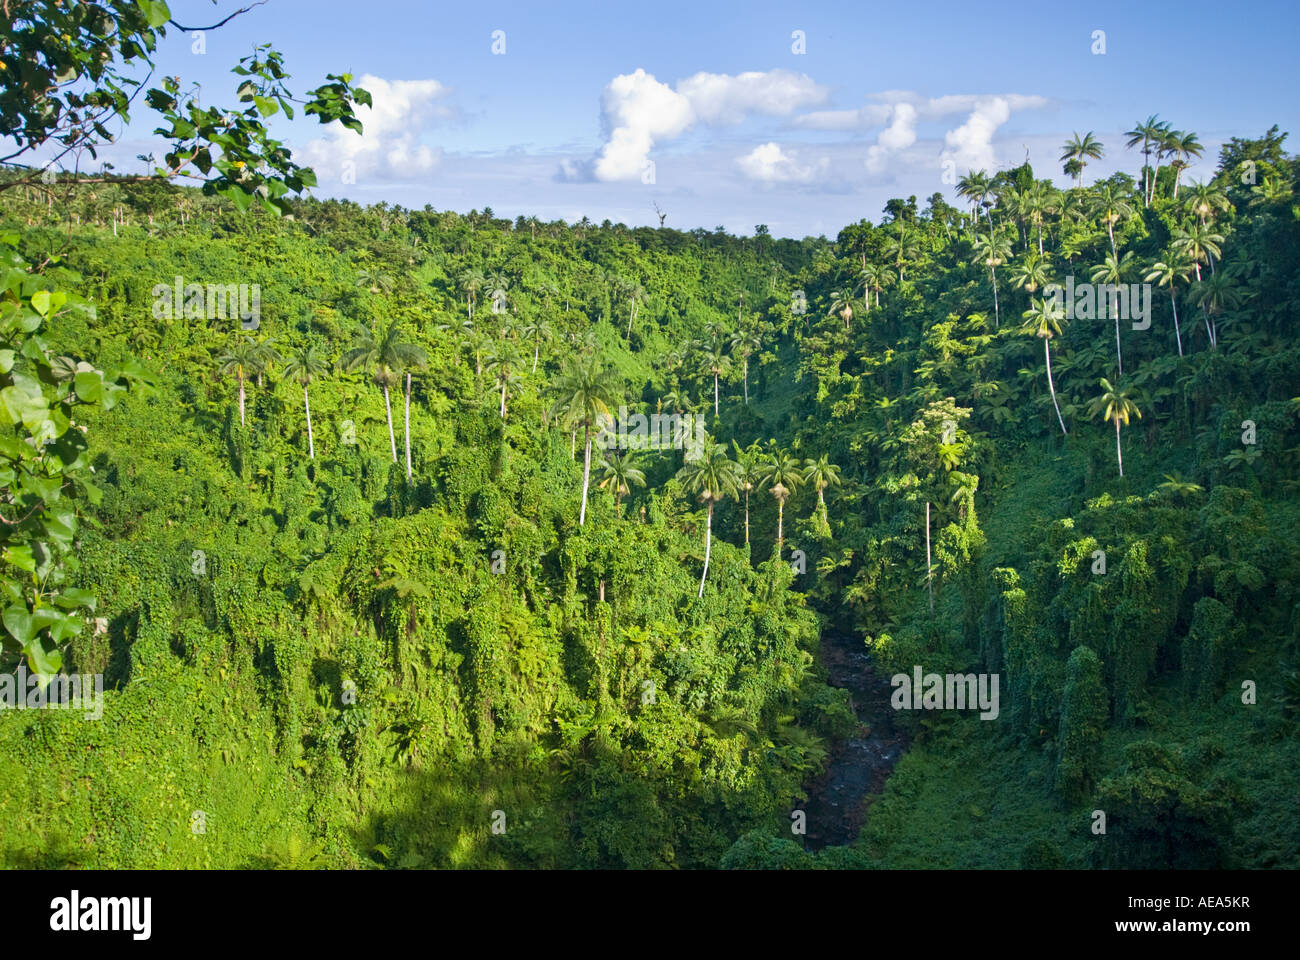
(368, 589)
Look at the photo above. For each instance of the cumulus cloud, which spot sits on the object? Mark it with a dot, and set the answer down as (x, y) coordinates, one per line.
(639, 111)
(390, 148)
(899, 135)
(722, 99)
(872, 115)
(768, 163)
(969, 146)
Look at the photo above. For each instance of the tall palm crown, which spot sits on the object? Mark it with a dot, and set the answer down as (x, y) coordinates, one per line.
(1115, 405)
(385, 355)
(782, 474)
(1032, 271)
(1081, 149)
(992, 251)
(243, 361)
(1045, 319)
(1172, 267)
(1146, 133)
(586, 391)
(619, 473)
(304, 365)
(1204, 200)
(715, 476)
(842, 305)
(1110, 206)
(821, 473)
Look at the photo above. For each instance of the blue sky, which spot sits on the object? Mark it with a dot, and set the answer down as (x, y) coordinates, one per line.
(739, 128)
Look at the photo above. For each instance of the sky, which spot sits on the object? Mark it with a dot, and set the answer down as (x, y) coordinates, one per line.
(800, 116)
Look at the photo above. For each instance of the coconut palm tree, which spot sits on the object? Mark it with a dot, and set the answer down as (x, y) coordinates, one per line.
(1116, 406)
(905, 245)
(504, 360)
(821, 473)
(1204, 200)
(242, 361)
(587, 391)
(976, 187)
(1044, 319)
(782, 474)
(471, 281)
(993, 251)
(750, 474)
(1031, 272)
(715, 363)
(715, 476)
(1166, 272)
(1214, 294)
(304, 365)
(538, 331)
(633, 291)
(375, 281)
(1109, 205)
(619, 474)
(1199, 243)
(872, 278)
(842, 305)
(385, 355)
(1145, 132)
(744, 344)
(1185, 146)
(1113, 271)
(1040, 200)
(1165, 139)
(1078, 148)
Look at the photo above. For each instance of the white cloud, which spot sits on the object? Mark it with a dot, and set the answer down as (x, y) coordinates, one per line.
(872, 115)
(768, 163)
(639, 111)
(899, 135)
(719, 98)
(389, 149)
(970, 146)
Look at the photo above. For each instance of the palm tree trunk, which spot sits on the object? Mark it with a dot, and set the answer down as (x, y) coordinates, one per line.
(311, 443)
(537, 346)
(1174, 303)
(746, 518)
(586, 473)
(715, 394)
(708, 545)
(780, 526)
(241, 401)
(1047, 352)
(407, 427)
(1118, 355)
(392, 438)
(746, 381)
(1119, 453)
(503, 400)
(997, 320)
(929, 579)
